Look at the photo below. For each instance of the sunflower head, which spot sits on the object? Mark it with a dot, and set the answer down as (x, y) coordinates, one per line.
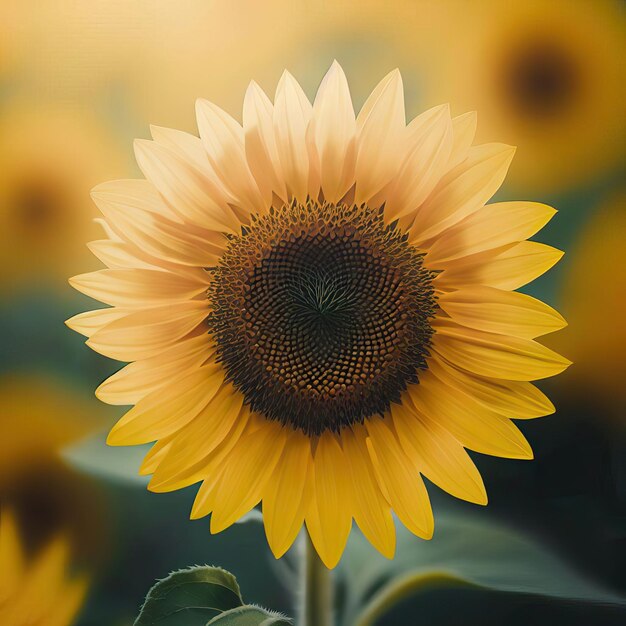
(319, 308)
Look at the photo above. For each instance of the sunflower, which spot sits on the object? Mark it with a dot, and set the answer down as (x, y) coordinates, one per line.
(41, 490)
(42, 207)
(319, 309)
(546, 76)
(41, 592)
(593, 276)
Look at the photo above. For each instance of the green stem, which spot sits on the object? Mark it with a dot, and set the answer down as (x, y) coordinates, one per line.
(317, 592)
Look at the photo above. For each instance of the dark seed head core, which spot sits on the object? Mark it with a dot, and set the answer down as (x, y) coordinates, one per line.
(321, 314)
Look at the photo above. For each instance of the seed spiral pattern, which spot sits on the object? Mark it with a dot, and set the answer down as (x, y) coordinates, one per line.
(321, 314)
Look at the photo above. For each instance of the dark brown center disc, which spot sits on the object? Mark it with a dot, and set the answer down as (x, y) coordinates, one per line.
(321, 314)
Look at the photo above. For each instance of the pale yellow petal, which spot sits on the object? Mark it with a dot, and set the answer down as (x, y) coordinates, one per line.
(134, 194)
(401, 479)
(188, 147)
(334, 126)
(223, 140)
(492, 226)
(260, 143)
(502, 312)
(438, 455)
(145, 333)
(329, 517)
(194, 197)
(284, 497)
(168, 409)
(160, 237)
(292, 114)
(509, 267)
(463, 190)
(380, 137)
(371, 511)
(428, 151)
(497, 356)
(92, 321)
(133, 288)
(249, 466)
(464, 129)
(120, 255)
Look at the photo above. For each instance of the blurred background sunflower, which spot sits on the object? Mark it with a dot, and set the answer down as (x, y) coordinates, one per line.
(80, 79)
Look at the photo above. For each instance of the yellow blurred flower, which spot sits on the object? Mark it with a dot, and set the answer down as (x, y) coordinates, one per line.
(281, 287)
(545, 76)
(41, 592)
(49, 159)
(594, 299)
(54, 414)
(35, 482)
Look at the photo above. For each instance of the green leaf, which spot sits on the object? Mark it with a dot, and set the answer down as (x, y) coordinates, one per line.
(190, 596)
(93, 456)
(467, 549)
(249, 616)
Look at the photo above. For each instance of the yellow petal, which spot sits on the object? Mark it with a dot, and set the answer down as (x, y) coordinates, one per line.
(405, 487)
(260, 143)
(329, 517)
(138, 379)
(250, 465)
(92, 321)
(334, 126)
(463, 190)
(502, 312)
(284, 497)
(428, 152)
(292, 114)
(187, 146)
(515, 399)
(211, 472)
(509, 267)
(492, 226)
(134, 288)
(11, 559)
(68, 603)
(167, 409)
(371, 511)
(380, 135)
(193, 444)
(144, 334)
(45, 579)
(134, 194)
(222, 137)
(194, 197)
(121, 255)
(497, 356)
(438, 455)
(464, 129)
(160, 237)
(472, 424)
(155, 456)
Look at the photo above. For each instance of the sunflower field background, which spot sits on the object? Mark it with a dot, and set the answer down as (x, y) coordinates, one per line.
(79, 79)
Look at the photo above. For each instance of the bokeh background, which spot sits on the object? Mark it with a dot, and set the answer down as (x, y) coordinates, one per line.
(79, 79)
